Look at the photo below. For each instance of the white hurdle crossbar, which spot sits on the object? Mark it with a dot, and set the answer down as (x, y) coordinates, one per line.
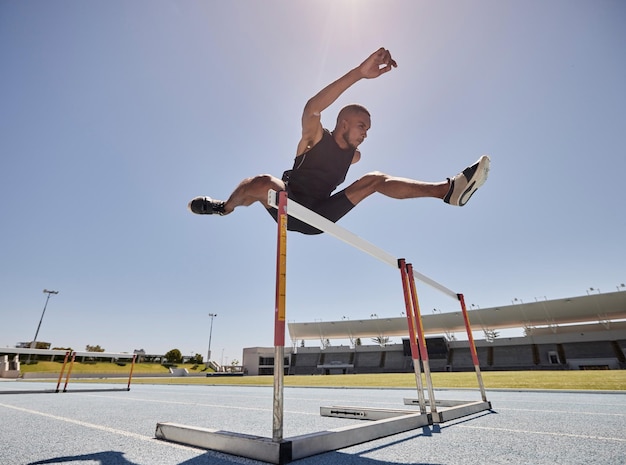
(317, 221)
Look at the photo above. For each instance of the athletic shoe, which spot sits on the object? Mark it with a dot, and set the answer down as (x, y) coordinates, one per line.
(464, 184)
(206, 206)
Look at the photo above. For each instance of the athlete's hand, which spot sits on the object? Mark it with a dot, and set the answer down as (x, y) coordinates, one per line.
(377, 63)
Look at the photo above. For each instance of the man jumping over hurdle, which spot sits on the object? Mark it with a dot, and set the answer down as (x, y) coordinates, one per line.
(323, 158)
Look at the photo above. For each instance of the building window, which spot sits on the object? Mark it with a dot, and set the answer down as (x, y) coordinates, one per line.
(553, 357)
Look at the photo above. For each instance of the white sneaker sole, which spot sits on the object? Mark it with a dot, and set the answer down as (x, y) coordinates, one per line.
(476, 181)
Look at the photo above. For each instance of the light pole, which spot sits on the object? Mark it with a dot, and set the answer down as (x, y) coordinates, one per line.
(208, 357)
(33, 345)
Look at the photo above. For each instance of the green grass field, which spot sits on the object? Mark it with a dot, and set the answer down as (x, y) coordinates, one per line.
(103, 367)
(612, 380)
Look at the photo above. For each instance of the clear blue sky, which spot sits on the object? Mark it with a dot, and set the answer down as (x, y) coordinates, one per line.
(113, 114)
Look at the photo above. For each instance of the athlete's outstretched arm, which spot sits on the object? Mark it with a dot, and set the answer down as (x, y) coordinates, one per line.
(376, 64)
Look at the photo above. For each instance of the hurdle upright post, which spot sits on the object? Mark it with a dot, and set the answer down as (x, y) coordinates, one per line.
(410, 316)
(67, 356)
(472, 346)
(279, 319)
(69, 372)
(421, 340)
(130, 374)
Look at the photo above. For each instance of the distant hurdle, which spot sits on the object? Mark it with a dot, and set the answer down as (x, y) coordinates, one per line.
(67, 366)
(382, 422)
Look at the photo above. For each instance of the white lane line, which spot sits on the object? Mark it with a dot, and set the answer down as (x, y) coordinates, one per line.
(543, 433)
(568, 412)
(85, 424)
(200, 404)
(268, 409)
(564, 402)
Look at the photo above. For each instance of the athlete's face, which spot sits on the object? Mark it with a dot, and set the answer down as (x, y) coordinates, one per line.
(355, 129)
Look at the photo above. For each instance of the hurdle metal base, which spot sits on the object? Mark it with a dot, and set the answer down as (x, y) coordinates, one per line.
(446, 410)
(452, 409)
(366, 413)
(294, 448)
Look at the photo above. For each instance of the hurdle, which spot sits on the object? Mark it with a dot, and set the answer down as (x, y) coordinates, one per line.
(381, 422)
(65, 375)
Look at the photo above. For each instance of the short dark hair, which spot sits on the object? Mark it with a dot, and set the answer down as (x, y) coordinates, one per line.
(351, 109)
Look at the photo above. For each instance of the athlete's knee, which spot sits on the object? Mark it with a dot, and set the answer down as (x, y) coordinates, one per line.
(258, 187)
(265, 182)
(366, 186)
(374, 180)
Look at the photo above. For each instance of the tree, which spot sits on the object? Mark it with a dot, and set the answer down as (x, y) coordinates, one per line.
(97, 348)
(491, 335)
(174, 356)
(381, 340)
(40, 345)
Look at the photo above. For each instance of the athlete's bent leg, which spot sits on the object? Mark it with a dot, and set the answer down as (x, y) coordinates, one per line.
(248, 191)
(252, 190)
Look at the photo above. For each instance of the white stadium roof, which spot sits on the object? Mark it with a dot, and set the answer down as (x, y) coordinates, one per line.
(594, 308)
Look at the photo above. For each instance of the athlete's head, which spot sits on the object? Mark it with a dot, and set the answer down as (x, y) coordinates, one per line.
(353, 122)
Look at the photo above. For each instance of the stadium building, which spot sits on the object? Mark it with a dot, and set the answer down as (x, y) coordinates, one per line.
(576, 333)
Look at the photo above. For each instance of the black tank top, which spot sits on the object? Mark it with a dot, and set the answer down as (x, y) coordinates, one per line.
(318, 172)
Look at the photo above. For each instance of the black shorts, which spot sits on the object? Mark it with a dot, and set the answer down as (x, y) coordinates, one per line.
(332, 208)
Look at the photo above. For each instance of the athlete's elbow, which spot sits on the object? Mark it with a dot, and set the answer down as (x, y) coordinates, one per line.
(312, 109)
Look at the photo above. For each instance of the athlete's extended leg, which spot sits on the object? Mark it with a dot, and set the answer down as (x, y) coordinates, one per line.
(248, 191)
(455, 191)
(393, 186)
